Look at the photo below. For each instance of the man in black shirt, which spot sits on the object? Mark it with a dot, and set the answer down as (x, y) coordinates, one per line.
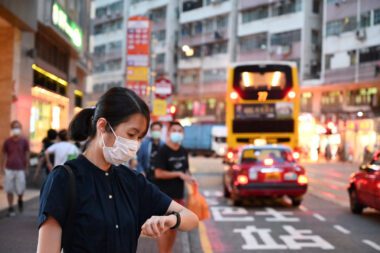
(171, 171)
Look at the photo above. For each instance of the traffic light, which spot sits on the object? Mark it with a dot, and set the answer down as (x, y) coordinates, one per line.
(172, 109)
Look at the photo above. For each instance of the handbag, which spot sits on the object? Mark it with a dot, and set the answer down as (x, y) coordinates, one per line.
(197, 203)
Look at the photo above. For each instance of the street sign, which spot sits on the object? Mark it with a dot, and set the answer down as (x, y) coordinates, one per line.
(164, 88)
(159, 107)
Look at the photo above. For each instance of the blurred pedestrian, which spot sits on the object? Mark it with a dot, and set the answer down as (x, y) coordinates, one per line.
(132, 164)
(328, 152)
(171, 171)
(367, 155)
(15, 164)
(49, 140)
(149, 149)
(113, 204)
(63, 151)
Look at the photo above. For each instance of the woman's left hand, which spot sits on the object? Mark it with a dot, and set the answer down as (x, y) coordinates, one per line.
(155, 226)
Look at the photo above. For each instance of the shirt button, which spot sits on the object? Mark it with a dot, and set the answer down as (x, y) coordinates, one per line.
(110, 196)
(117, 226)
(107, 174)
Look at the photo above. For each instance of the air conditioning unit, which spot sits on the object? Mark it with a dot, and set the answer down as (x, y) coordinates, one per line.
(361, 34)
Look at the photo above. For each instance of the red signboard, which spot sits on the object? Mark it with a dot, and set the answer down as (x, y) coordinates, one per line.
(138, 52)
(163, 88)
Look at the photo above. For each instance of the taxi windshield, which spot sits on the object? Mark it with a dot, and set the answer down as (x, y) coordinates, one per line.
(259, 155)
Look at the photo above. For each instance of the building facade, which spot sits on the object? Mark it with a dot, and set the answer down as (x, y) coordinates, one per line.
(347, 93)
(107, 47)
(46, 66)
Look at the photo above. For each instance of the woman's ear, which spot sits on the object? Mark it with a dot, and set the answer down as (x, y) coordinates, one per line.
(101, 125)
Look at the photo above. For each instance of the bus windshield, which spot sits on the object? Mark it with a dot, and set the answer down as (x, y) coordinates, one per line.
(274, 80)
(262, 80)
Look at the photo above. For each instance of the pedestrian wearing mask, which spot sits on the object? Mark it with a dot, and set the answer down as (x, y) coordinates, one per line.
(15, 164)
(49, 140)
(148, 151)
(113, 204)
(63, 150)
(171, 171)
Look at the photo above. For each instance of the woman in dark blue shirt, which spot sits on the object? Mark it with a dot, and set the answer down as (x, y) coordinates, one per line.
(113, 205)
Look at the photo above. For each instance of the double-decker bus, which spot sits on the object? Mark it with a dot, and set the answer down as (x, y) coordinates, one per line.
(262, 104)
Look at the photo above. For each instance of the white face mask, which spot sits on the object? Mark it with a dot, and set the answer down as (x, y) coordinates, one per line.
(122, 150)
(15, 131)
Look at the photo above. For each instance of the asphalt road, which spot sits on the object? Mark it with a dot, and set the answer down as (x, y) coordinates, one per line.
(322, 223)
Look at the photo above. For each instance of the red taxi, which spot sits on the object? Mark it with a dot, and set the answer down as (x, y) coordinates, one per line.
(264, 171)
(364, 186)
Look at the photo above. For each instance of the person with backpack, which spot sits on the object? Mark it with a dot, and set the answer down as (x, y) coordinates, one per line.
(113, 205)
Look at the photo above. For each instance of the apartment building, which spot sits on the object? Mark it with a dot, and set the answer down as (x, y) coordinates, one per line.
(348, 92)
(107, 47)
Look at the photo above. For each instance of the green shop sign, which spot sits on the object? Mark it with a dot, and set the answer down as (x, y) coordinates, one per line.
(67, 25)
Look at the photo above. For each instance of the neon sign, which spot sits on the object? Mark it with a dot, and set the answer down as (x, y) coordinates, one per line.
(64, 23)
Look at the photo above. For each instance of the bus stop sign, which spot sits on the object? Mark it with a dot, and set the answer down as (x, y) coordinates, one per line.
(164, 88)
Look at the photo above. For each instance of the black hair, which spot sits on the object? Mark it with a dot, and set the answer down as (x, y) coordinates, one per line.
(52, 134)
(174, 123)
(14, 122)
(156, 123)
(62, 135)
(116, 106)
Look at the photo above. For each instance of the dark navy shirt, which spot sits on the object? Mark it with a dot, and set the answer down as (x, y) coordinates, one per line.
(111, 206)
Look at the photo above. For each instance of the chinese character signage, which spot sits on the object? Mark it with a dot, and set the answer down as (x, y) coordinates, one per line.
(138, 52)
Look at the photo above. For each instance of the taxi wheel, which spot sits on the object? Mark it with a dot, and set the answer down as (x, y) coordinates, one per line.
(296, 201)
(355, 205)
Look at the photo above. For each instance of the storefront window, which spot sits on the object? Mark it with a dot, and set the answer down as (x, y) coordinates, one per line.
(363, 97)
(306, 101)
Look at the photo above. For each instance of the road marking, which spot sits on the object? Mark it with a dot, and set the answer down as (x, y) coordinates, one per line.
(372, 244)
(208, 193)
(278, 216)
(296, 239)
(205, 242)
(342, 229)
(319, 217)
(230, 214)
(212, 201)
(303, 208)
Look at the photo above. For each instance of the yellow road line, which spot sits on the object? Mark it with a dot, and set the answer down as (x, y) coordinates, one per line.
(205, 243)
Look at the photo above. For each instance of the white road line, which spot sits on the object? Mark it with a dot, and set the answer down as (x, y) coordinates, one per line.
(372, 244)
(342, 229)
(319, 217)
(303, 208)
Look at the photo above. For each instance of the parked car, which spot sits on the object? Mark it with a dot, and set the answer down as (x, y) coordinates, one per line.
(364, 186)
(265, 171)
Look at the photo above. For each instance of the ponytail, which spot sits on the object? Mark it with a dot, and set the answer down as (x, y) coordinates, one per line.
(82, 126)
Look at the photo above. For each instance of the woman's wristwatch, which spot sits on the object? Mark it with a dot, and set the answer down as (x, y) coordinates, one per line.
(178, 216)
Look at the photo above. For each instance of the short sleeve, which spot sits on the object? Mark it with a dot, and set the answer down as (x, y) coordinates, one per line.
(51, 149)
(53, 197)
(160, 159)
(152, 201)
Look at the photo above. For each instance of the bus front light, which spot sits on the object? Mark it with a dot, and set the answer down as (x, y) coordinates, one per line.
(292, 94)
(234, 95)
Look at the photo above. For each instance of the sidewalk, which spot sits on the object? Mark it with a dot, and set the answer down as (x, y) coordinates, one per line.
(19, 234)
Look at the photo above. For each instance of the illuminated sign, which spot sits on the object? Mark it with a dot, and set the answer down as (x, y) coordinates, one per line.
(64, 23)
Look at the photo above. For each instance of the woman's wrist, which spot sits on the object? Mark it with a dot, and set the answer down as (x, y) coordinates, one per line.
(175, 220)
